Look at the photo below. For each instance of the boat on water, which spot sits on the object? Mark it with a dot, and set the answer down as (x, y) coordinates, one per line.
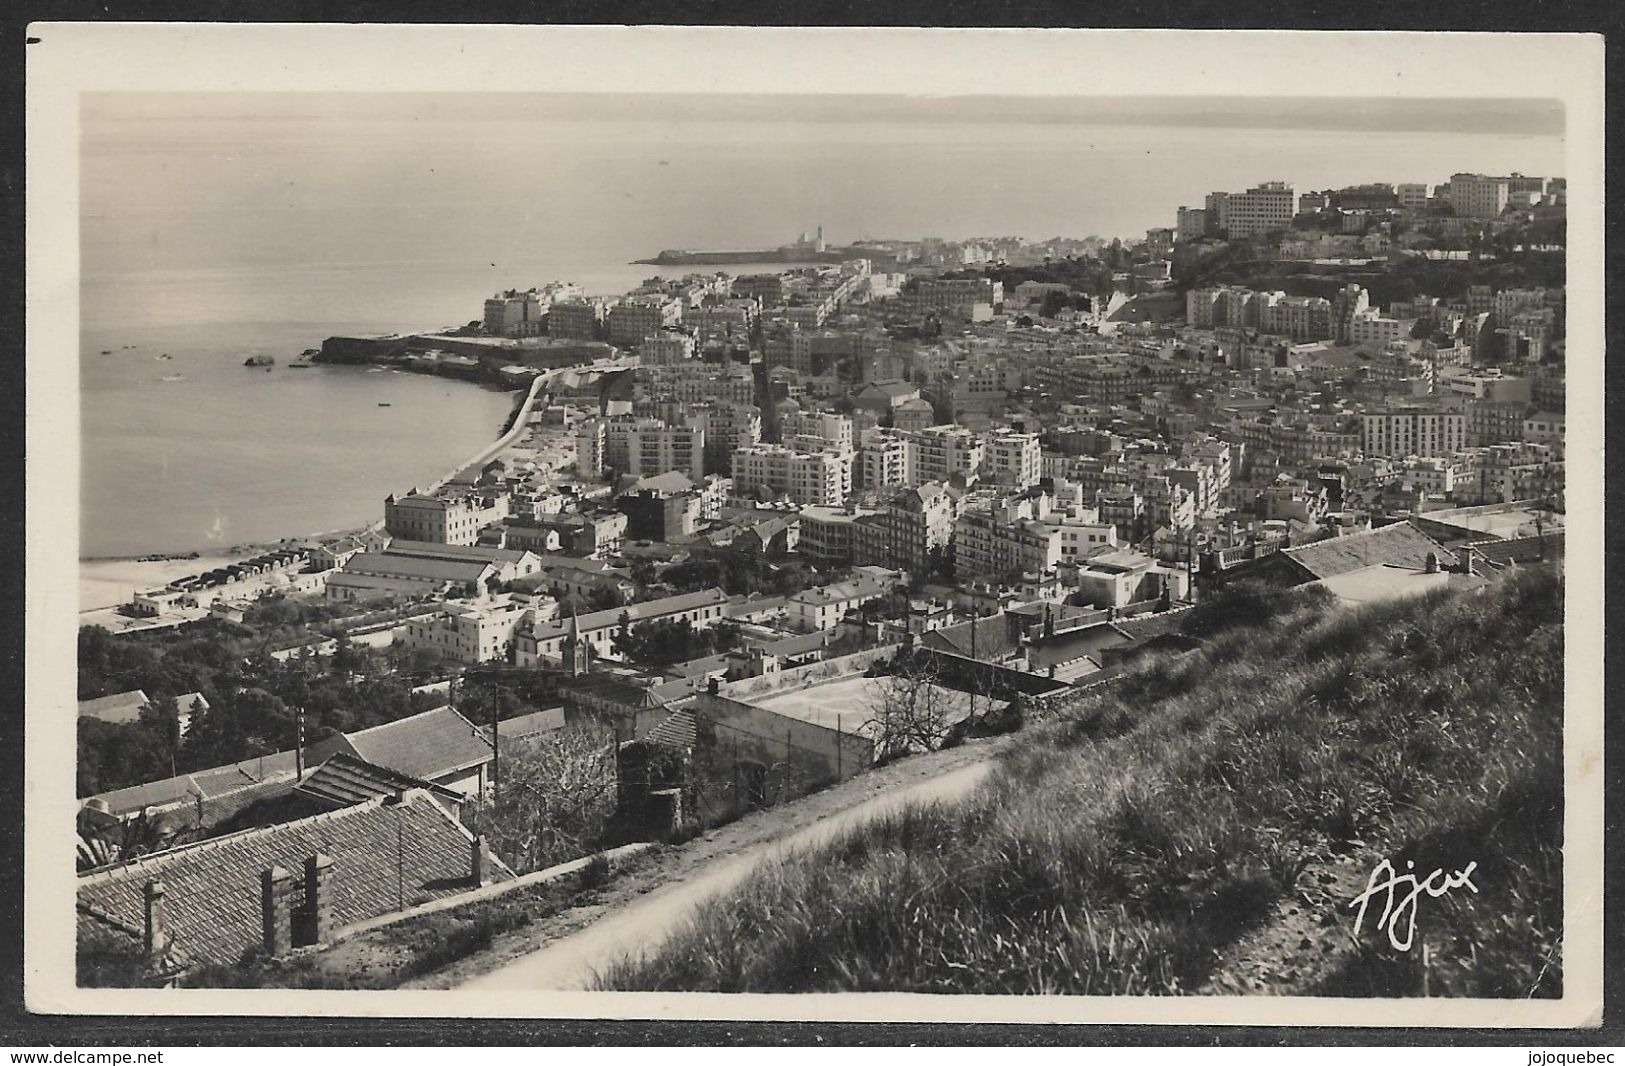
(299, 366)
(107, 351)
(165, 355)
(383, 404)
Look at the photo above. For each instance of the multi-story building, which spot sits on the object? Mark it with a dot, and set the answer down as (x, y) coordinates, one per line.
(1412, 195)
(1014, 459)
(1082, 533)
(1262, 208)
(1303, 318)
(827, 533)
(728, 427)
(694, 382)
(1191, 224)
(1477, 195)
(915, 523)
(767, 289)
(820, 429)
(807, 478)
(1547, 428)
(946, 294)
(943, 451)
(473, 633)
(1217, 206)
(641, 447)
(1310, 202)
(998, 542)
(637, 317)
(666, 348)
(1492, 422)
(1371, 327)
(886, 459)
(577, 319)
(1350, 302)
(1483, 384)
(437, 520)
(1413, 431)
(514, 314)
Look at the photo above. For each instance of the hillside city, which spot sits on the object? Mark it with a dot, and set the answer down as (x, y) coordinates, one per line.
(747, 537)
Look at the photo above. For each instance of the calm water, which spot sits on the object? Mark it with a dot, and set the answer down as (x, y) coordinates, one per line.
(210, 235)
(198, 452)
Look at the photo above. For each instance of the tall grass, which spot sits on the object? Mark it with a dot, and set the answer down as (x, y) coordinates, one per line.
(1122, 851)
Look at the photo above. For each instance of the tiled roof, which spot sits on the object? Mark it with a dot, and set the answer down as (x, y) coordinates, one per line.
(117, 708)
(388, 564)
(386, 856)
(427, 745)
(677, 731)
(1401, 544)
(1498, 552)
(533, 724)
(345, 780)
(635, 612)
(996, 637)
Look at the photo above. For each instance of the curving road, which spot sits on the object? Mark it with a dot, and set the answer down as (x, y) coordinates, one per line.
(573, 962)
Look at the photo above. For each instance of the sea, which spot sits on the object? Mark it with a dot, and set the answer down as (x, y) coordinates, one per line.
(209, 235)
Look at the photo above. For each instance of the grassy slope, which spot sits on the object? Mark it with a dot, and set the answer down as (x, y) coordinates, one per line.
(1126, 850)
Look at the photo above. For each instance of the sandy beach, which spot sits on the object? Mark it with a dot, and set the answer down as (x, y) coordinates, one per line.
(109, 582)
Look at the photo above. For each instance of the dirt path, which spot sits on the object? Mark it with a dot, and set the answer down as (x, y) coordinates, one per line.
(636, 912)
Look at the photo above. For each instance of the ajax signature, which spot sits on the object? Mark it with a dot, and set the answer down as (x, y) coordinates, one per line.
(1400, 894)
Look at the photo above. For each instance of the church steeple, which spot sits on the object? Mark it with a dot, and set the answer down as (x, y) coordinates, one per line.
(575, 650)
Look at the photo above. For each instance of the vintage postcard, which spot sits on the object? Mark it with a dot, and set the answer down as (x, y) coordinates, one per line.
(815, 524)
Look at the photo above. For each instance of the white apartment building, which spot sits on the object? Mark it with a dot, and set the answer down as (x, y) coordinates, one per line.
(823, 478)
(1015, 458)
(1370, 327)
(1412, 195)
(1478, 195)
(998, 542)
(1264, 207)
(834, 430)
(1082, 534)
(887, 459)
(637, 317)
(1413, 431)
(514, 314)
(1483, 384)
(943, 451)
(470, 633)
(666, 348)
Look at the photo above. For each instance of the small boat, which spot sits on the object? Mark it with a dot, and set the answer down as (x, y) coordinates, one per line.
(165, 355)
(382, 404)
(107, 351)
(173, 377)
(299, 366)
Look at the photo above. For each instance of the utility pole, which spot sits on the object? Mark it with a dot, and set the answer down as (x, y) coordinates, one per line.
(299, 744)
(496, 737)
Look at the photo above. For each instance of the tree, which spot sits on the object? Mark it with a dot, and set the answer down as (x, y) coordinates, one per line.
(911, 711)
(554, 799)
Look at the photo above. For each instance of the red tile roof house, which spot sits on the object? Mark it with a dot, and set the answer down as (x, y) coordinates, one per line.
(282, 887)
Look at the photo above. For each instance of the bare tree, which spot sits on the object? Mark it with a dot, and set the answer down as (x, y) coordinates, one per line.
(911, 710)
(555, 798)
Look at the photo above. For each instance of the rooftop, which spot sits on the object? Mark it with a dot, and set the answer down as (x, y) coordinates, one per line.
(118, 708)
(386, 856)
